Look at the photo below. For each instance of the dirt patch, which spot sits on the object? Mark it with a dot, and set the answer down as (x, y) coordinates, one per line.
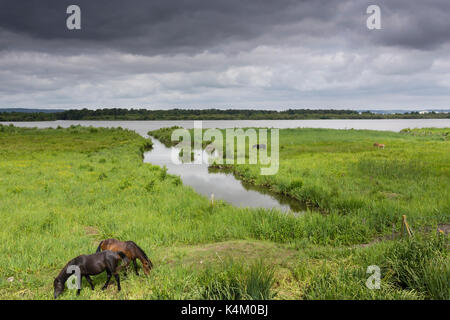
(248, 249)
(91, 231)
(219, 252)
(390, 195)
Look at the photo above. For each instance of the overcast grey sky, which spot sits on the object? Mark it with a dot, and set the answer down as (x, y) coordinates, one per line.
(225, 54)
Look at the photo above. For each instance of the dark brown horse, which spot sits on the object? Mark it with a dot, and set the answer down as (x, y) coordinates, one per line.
(131, 250)
(88, 265)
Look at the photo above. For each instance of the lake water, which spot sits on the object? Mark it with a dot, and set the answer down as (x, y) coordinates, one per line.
(224, 186)
(142, 127)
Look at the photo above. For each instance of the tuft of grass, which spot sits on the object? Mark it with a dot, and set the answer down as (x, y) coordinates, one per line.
(421, 264)
(237, 281)
(259, 281)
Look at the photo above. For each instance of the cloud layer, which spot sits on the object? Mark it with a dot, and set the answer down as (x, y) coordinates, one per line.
(239, 54)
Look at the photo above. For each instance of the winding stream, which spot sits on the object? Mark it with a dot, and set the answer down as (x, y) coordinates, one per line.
(223, 185)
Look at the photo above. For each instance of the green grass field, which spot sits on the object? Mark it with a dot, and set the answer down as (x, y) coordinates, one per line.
(64, 190)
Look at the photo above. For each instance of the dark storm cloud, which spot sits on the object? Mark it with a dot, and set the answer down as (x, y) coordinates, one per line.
(415, 24)
(154, 26)
(151, 27)
(222, 53)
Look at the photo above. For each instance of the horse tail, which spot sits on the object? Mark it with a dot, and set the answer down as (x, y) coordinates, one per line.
(99, 248)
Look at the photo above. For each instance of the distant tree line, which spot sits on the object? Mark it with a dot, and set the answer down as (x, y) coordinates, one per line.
(211, 114)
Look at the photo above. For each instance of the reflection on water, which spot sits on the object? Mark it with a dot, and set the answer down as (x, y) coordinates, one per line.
(223, 185)
(294, 205)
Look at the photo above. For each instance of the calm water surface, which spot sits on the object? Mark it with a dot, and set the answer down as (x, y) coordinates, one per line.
(142, 127)
(225, 186)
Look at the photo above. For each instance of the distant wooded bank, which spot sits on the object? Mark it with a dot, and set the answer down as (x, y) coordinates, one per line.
(212, 114)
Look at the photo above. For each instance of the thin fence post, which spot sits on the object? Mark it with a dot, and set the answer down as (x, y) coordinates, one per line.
(405, 227)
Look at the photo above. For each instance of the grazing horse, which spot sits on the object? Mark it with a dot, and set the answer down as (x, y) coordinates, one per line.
(91, 265)
(131, 250)
(379, 145)
(259, 146)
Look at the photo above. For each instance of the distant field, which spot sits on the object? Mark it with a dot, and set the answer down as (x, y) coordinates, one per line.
(63, 190)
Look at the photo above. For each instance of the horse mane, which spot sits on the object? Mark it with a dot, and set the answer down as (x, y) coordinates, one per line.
(141, 251)
(63, 275)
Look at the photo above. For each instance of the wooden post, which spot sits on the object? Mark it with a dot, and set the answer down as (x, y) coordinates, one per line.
(212, 199)
(405, 227)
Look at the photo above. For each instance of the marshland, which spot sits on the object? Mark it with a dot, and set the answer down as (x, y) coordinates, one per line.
(63, 190)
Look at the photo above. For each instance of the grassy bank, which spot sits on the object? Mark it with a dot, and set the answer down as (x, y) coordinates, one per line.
(63, 190)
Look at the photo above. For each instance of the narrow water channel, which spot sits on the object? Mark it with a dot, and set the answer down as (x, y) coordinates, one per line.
(223, 185)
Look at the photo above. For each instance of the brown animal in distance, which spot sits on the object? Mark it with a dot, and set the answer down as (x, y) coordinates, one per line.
(378, 145)
(130, 249)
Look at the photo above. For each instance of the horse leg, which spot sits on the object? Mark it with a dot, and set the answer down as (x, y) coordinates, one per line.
(135, 267)
(90, 281)
(79, 289)
(117, 280)
(107, 279)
